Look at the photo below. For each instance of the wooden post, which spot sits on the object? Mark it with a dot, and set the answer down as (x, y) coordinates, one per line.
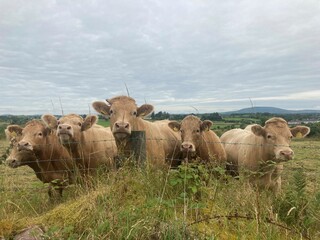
(138, 146)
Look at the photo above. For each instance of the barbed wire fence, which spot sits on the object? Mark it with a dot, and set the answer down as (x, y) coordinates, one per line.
(6, 171)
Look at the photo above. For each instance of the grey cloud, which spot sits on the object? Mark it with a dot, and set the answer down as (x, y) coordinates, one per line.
(173, 54)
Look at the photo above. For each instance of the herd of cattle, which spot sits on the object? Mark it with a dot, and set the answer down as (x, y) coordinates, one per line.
(56, 148)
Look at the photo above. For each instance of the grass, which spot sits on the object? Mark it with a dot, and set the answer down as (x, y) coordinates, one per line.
(187, 203)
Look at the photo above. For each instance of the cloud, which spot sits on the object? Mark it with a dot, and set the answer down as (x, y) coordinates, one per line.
(211, 54)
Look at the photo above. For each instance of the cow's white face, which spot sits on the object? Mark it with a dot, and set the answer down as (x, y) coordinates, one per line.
(191, 129)
(278, 136)
(123, 113)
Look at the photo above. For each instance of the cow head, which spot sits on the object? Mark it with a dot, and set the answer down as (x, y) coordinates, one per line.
(69, 127)
(123, 113)
(27, 141)
(191, 129)
(277, 136)
(17, 158)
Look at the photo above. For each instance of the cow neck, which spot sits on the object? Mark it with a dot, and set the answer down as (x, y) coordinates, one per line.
(263, 148)
(37, 170)
(50, 156)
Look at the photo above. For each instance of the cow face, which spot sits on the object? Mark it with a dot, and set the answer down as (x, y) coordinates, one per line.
(31, 137)
(69, 127)
(123, 113)
(17, 158)
(278, 136)
(191, 129)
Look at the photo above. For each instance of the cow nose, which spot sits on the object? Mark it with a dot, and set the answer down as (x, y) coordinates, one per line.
(11, 162)
(187, 146)
(23, 145)
(286, 153)
(121, 125)
(64, 127)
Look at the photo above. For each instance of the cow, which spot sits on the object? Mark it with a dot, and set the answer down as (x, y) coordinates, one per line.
(262, 150)
(18, 158)
(162, 143)
(198, 141)
(91, 145)
(55, 163)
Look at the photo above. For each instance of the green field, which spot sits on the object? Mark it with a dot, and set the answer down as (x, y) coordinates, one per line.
(188, 203)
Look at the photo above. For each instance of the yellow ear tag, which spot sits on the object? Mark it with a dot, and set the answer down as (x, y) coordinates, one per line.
(175, 129)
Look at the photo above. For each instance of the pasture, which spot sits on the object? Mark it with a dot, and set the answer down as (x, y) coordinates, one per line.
(184, 203)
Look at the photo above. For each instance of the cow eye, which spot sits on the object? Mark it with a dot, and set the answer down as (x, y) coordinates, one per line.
(40, 134)
(198, 130)
(111, 111)
(79, 123)
(58, 122)
(269, 136)
(134, 113)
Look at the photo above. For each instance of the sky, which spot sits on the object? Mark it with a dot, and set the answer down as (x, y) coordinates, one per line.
(180, 56)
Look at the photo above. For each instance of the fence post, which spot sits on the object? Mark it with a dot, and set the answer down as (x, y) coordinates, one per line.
(138, 146)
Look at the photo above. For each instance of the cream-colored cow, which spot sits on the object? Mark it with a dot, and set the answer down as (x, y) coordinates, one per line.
(252, 149)
(198, 141)
(38, 143)
(162, 143)
(90, 145)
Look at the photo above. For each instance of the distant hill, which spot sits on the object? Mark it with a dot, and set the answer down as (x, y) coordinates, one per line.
(272, 110)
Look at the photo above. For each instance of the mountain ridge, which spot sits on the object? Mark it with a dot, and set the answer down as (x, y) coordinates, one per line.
(273, 110)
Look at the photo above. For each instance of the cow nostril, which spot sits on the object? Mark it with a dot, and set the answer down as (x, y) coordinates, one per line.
(286, 153)
(126, 126)
(60, 127)
(69, 128)
(117, 125)
(190, 146)
(26, 144)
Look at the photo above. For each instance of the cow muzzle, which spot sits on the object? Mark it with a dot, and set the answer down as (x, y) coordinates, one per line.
(121, 130)
(187, 147)
(24, 146)
(285, 155)
(12, 162)
(65, 133)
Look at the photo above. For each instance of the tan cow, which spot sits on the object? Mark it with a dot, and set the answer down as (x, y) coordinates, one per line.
(253, 149)
(18, 158)
(53, 160)
(91, 145)
(198, 141)
(162, 144)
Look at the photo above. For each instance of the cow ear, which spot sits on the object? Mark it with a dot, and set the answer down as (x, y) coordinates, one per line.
(300, 130)
(15, 130)
(12, 131)
(174, 125)
(101, 107)
(88, 122)
(144, 110)
(206, 125)
(258, 130)
(50, 120)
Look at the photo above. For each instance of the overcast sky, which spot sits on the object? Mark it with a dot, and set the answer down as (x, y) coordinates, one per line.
(178, 55)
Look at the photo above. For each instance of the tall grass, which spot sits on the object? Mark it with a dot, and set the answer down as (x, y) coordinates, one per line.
(190, 202)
